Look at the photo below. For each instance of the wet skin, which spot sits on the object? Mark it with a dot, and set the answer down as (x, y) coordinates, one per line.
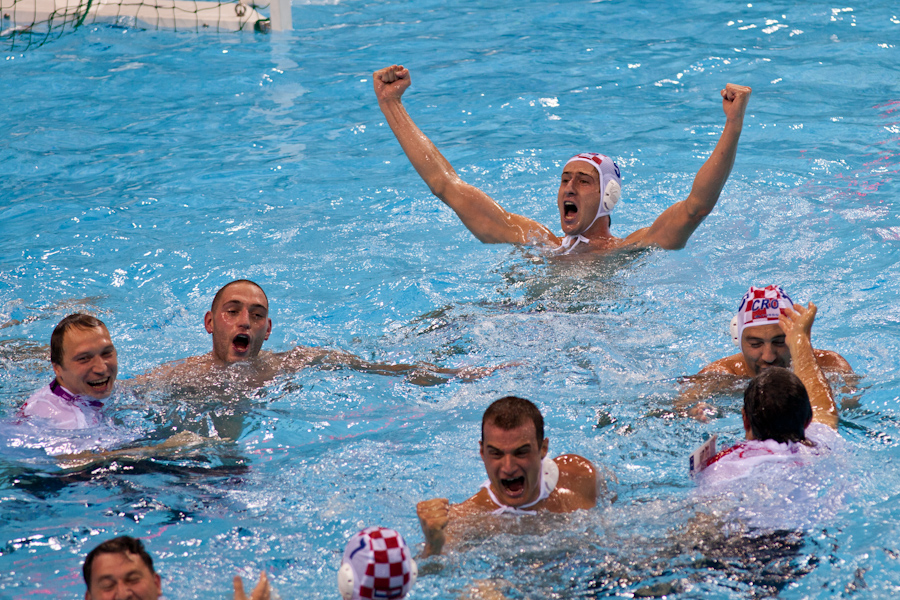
(89, 364)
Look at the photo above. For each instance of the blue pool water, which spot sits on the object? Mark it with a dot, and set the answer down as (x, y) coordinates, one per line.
(142, 170)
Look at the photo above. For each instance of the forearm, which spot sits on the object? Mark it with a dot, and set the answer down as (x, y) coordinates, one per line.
(714, 173)
(430, 164)
(807, 369)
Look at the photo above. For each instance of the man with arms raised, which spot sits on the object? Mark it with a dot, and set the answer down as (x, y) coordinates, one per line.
(521, 479)
(239, 324)
(122, 568)
(588, 190)
(85, 366)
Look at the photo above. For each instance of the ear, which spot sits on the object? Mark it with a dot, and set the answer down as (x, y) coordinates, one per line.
(748, 431)
(158, 582)
(57, 369)
(545, 445)
(87, 595)
(269, 330)
(208, 321)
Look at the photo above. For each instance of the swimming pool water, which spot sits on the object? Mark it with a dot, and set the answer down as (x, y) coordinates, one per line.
(142, 170)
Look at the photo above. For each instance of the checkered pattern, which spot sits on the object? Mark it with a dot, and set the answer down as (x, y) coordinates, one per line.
(761, 306)
(381, 564)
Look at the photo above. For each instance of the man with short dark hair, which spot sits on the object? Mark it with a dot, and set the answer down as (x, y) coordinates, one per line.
(785, 415)
(122, 568)
(521, 479)
(239, 323)
(85, 365)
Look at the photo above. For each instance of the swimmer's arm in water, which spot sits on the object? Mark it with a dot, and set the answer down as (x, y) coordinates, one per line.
(262, 591)
(423, 374)
(486, 219)
(675, 225)
(797, 325)
(178, 442)
(718, 378)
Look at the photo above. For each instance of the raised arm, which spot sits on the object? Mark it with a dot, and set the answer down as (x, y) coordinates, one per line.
(486, 219)
(675, 225)
(797, 326)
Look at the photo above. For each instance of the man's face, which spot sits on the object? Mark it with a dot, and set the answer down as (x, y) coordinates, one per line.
(763, 347)
(512, 459)
(121, 576)
(89, 363)
(239, 323)
(579, 197)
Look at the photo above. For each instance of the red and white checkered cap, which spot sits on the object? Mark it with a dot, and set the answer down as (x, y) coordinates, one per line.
(382, 564)
(761, 306)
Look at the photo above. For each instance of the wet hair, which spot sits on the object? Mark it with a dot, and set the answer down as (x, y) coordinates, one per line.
(510, 412)
(121, 545)
(76, 321)
(777, 406)
(221, 291)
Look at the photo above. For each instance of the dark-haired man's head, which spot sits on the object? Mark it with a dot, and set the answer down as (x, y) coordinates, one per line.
(513, 447)
(776, 407)
(238, 321)
(83, 356)
(120, 568)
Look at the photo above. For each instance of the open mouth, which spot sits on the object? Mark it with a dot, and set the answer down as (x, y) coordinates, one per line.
(513, 486)
(99, 384)
(241, 342)
(569, 208)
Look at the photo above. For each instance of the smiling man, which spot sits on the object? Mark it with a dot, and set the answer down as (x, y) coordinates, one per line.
(121, 568)
(757, 331)
(85, 364)
(522, 480)
(589, 187)
(239, 323)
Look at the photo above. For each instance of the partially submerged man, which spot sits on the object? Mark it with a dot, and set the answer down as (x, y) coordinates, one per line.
(785, 415)
(85, 366)
(756, 329)
(521, 478)
(589, 188)
(122, 568)
(239, 323)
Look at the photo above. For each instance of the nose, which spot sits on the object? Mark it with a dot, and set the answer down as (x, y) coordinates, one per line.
(244, 319)
(98, 365)
(122, 592)
(768, 354)
(507, 465)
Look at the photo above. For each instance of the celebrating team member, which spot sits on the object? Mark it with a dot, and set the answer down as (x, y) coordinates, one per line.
(589, 188)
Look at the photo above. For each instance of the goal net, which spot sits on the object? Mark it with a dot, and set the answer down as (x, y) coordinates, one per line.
(28, 23)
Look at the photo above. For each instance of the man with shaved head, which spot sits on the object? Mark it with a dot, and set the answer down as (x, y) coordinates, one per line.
(239, 323)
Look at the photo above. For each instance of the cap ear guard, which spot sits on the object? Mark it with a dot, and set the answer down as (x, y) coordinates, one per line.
(413, 572)
(733, 330)
(345, 581)
(611, 196)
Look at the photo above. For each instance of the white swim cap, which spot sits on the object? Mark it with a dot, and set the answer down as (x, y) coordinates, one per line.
(610, 180)
(759, 306)
(377, 563)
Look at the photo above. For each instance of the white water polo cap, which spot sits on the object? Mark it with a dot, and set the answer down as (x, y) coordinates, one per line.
(378, 564)
(610, 180)
(759, 306)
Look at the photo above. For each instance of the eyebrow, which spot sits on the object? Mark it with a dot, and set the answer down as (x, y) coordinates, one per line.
(523, 446)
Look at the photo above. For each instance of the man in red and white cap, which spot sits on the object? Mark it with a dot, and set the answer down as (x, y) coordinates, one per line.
(378, 564)
(589, 187)
(756, 330)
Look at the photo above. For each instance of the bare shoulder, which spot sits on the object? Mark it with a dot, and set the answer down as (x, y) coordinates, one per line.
(478, 504)
(730, 365)
(832, 361)
(577, 485)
